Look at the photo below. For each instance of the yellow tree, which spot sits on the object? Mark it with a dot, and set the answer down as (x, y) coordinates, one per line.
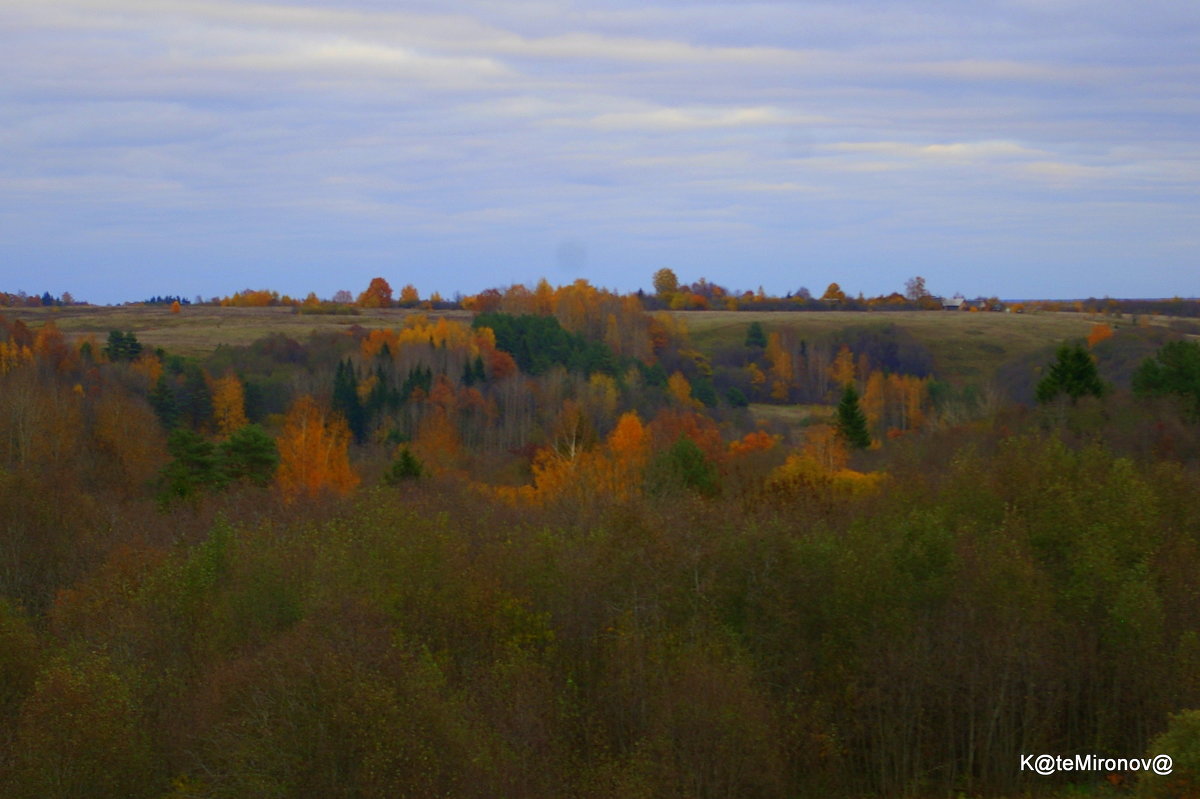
(842, 370)
(1099, 333)
(313, 452)
(681, 390)
(782, 373)
(874, 398)
(229, 404)
(834, 294)
(409, 297)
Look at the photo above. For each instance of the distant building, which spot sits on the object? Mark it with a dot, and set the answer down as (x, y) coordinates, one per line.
(955, 303)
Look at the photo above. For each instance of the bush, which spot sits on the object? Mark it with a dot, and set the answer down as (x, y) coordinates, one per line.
(1181, 742)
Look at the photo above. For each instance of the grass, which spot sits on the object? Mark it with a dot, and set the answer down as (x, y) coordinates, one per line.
(966, 347)
(198, 330)
(791, 416)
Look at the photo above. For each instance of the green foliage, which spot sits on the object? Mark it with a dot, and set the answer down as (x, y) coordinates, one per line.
(539, 342)
(704, 392)
(1181, 742)
(1175, 369)
(122, 346)
(851, 421)
(1073, 373)
(194, 467)
(19, 658)
(80, 734)
(405, 467)
(683, 466)
(736, 398)
(346, 401)
(756, 336)
(162, 400)
(250, 454)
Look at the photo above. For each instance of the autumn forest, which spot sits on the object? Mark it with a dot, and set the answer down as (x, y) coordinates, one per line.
(565, 542)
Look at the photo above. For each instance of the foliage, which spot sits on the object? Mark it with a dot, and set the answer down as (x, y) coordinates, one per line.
(665, 282)
(194, 466)
(1073, 373)
(539, 342)
(405, 466)
(1180, 741)
(1175, 369)
(851, 422)
(122, 346)
(250, 454)
(312, 453)
(683, 466)
(755, 337)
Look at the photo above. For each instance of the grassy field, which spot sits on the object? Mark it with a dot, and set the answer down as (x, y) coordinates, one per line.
(965, 346)
(198, 330)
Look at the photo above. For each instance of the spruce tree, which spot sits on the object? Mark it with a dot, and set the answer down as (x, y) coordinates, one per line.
(755, 336)
(851, 421)
(1073, 373)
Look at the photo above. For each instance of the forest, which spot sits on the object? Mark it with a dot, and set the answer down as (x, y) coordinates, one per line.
(562, 541)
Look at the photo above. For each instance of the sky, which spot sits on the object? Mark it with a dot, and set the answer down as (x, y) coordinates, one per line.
(1016, 148)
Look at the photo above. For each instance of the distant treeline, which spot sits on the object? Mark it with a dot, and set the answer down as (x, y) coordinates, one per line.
(668, 295)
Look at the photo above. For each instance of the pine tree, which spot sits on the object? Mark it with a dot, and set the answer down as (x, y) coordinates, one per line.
(1073, 373)
(250, 454)
(851, 421)
(755, 336)
(406, 467)
(346, 401)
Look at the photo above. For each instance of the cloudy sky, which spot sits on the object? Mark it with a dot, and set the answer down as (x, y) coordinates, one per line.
(1024, 148)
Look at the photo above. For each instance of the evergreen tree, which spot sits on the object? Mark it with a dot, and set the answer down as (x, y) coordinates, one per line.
(736, 397)
(250, 454)
(346, 401)
(195, 466)
(756, 336)
(1073, 373)
(851, 421)
(1175, 369)
(122, 346)
(162, 400)
(406, 467)
(683, 466)
(194, 398)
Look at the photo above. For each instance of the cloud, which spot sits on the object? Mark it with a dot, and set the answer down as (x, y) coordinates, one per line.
(480, 134)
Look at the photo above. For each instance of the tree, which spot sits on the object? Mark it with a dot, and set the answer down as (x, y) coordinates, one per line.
(406, 466)
(346, 400)
(684, 466)
(122, 346)
(250, 454)
(834, 294)
(377, 295)
(665, 282)
(162, 400)
(1174, 369)
(195, 466)
(1073, 373)
(851, 421)
(313, 452)
(755, 336)
(229, 404)
(409, 297)
(914, 288)
(1099, 333)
